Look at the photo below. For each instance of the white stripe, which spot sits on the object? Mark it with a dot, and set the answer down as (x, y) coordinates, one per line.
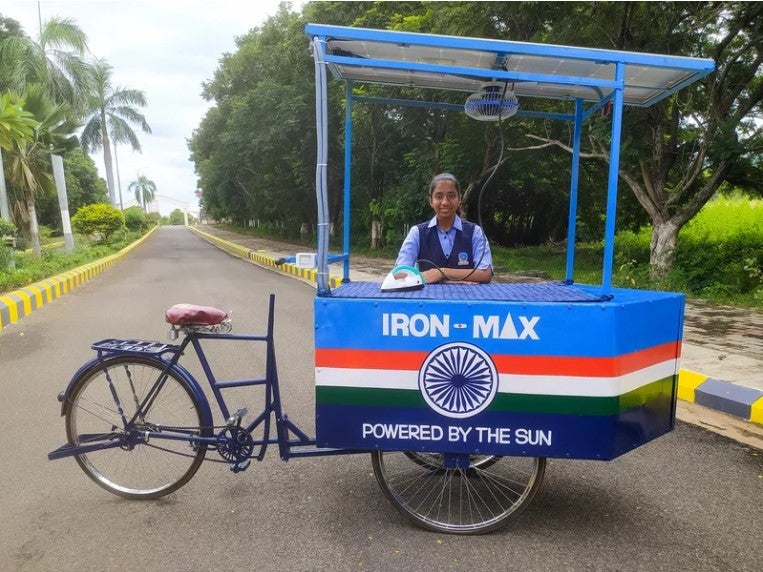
(508, 383)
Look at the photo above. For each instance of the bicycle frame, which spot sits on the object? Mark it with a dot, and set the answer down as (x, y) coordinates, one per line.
(291, 440)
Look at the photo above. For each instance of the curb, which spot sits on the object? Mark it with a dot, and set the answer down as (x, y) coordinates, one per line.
(22, 302)
(733, 399)
(308, 275)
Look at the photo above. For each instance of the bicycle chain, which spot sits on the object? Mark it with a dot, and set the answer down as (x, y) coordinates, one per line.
(222, 448)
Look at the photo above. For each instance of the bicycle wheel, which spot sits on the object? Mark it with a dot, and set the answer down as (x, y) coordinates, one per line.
(443, 496)
(140, 468)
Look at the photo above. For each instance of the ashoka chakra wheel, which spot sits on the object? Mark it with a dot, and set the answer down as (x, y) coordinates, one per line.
(458, 380)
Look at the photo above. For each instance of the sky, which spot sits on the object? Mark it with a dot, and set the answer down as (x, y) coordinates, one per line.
(166, 48)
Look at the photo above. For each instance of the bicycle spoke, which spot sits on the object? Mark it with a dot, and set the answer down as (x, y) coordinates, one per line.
(136, 469)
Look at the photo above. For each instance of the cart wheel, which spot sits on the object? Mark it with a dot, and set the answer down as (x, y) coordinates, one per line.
(458, 494)
(434, 461)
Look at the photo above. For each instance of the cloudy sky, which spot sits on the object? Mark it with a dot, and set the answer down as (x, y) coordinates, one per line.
(167, 49)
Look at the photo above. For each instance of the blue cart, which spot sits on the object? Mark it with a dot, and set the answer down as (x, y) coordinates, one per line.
(460, 392)
(463, 391)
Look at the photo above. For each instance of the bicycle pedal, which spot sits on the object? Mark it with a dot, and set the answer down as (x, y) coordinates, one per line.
(236, 418)
(242, 466)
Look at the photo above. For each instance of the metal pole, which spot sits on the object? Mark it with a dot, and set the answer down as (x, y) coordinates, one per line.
(572, 221)
(614, 173)
(347, 177)
(321, 183)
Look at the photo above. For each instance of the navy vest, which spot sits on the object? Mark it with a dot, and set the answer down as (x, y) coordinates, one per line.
(430, 250)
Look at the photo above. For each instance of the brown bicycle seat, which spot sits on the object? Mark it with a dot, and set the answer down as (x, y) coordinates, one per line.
(192, 315)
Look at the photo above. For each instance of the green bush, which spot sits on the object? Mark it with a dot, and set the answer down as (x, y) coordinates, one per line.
(27, 269)
(7, 228)
(7, 260)
(719, 250)
(135, 219)
(719, 255)
(47, 234)
(99, 221)
(632, 247)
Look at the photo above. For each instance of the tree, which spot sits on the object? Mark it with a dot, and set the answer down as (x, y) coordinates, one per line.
(135, 219)
(144, 189)
(55, 60)
(689, 164)
(53, 67)
(253, 151)
(9, 27)
(83, 184)
(16, 124)
(177, 217)
(83, 187)
(679, 153)
(30, 169)
(111, 111)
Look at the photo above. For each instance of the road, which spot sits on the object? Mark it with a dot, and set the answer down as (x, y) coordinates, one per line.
(687, 501)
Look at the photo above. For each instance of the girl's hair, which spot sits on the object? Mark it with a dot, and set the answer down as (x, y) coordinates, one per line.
(443, 177)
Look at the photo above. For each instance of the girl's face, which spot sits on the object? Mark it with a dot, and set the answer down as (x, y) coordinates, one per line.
(445, 199)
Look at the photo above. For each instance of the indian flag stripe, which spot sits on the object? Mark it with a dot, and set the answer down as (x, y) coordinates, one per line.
(518, 365)
(508, 383)
(509, 402)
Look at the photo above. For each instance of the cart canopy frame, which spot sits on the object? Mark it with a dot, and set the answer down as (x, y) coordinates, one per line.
(590, 78)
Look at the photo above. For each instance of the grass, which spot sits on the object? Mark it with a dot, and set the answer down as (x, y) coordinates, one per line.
(21, 268)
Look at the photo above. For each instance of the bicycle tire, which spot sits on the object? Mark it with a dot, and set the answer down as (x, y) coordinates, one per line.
(479, 499)
(140, 470)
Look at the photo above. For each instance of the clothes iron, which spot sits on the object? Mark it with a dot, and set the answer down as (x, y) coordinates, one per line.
(403, 278)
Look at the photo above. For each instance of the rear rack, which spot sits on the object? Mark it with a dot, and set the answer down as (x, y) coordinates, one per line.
(134, 347)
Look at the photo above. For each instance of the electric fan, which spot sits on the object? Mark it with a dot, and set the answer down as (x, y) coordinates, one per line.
(492, 103)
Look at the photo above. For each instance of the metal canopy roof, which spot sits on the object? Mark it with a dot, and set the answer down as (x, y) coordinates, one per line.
(537, 70)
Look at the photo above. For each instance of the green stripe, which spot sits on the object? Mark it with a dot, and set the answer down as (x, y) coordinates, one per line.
(373, 396)
(660, 390)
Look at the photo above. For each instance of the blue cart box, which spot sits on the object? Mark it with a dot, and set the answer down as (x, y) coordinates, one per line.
(542, 370)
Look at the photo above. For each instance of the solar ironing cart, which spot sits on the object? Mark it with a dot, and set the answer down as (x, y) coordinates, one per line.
(459, 392)
(451, 382)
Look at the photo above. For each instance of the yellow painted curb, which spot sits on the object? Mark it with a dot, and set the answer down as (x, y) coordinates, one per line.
(308, 275)
(18, 303)
(687, 384)
(756, 411)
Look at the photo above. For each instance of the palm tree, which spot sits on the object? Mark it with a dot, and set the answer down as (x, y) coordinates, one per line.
(16, 126)
(55, 60)
(145, 190)
(109, 114)
(30, 169)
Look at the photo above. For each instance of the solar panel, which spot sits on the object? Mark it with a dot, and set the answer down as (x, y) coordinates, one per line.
(536, 70)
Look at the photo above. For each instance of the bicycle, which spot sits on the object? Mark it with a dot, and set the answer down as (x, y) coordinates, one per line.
(139, 425)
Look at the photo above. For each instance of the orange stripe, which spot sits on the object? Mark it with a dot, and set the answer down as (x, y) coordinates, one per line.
(518, 365)
(369, 359)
